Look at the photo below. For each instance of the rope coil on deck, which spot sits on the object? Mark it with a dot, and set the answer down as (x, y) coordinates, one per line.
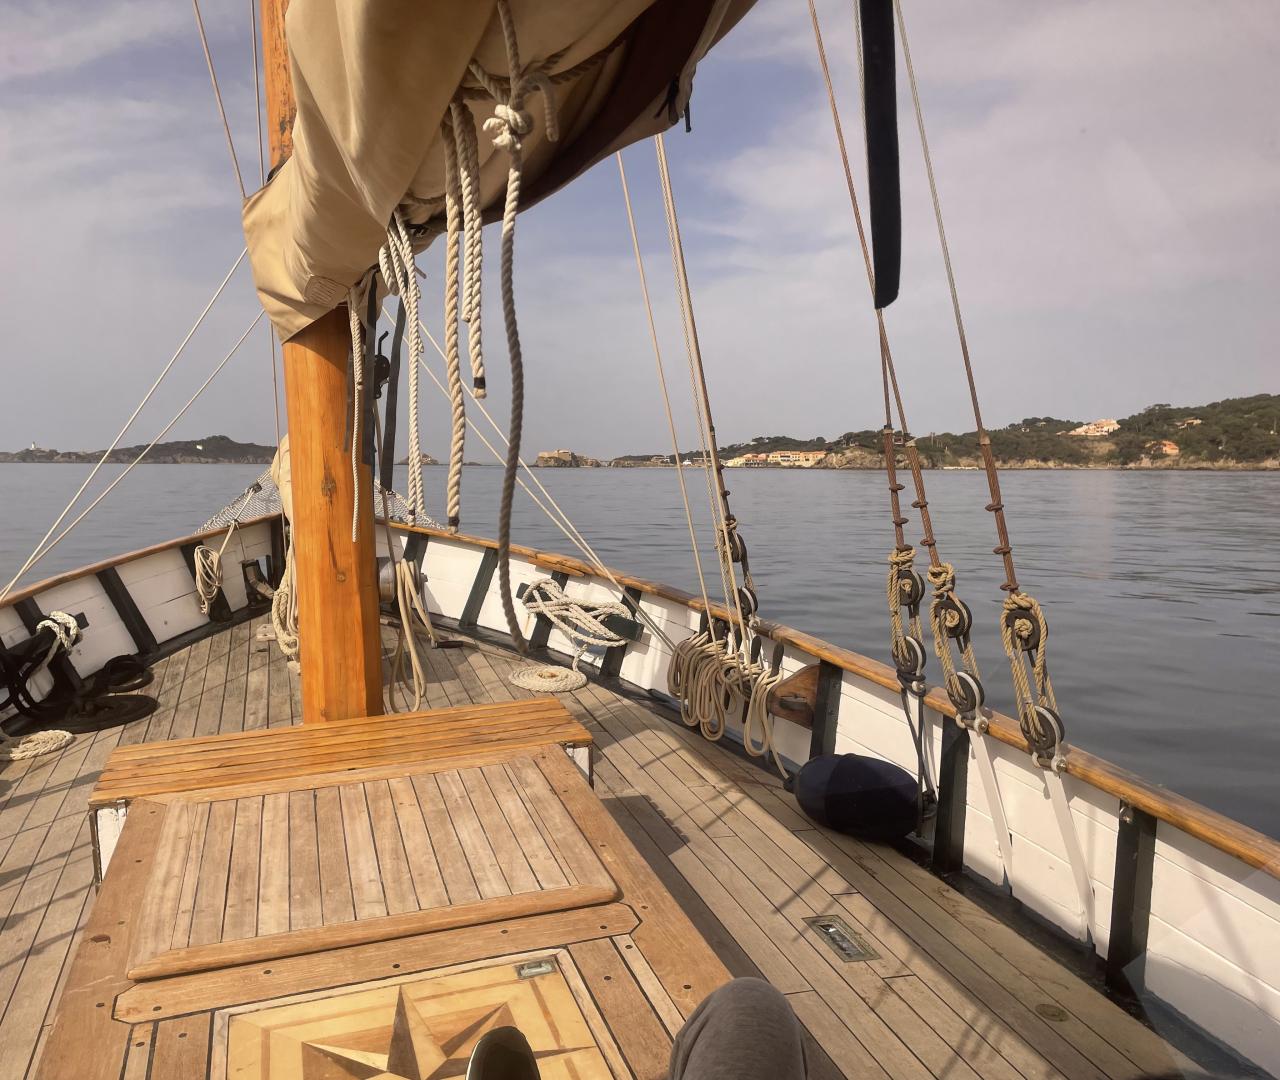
(581, 622)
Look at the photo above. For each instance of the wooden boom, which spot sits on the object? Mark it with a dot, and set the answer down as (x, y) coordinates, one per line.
(336, 577)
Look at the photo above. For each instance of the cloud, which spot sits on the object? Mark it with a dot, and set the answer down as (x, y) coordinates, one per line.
(1110, 174)
(46, 39)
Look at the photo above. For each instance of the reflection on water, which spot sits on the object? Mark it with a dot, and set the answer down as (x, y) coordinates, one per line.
(1160, 587)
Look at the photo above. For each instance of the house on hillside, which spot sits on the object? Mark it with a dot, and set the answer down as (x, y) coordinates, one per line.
(797, 459)
(1163, 448)
(1095, 429)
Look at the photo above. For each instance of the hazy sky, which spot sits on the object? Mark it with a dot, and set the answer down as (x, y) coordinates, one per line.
(1110, 173)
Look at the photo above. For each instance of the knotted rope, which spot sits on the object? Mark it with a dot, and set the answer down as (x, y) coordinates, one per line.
(581, 622)
(506, 127)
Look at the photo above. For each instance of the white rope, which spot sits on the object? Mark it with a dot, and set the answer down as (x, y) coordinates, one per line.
(697, 380)
(406, 662)
(66, 633)
(40, 551)
(284, 610)
(399, 267)
(37, 744)
(357, 402)
(452, 306)
(209, 571)
(554, 512)
(217, 96)
(580, 621)
(468, 169)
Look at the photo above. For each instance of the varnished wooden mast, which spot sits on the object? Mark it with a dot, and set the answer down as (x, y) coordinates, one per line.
(337, 579)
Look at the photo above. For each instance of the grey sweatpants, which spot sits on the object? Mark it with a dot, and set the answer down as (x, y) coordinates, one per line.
(746, 1030)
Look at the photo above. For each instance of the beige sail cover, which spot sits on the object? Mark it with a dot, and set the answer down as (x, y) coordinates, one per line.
(373, 80)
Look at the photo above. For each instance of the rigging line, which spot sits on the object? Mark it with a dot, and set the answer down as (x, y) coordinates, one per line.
(662, 382)
(257, 89)
(698, 379)
(984, 441)
(36, 553)
(151, 445)
(217, 95)
(262, 179)
(888, 371)
(559, 518)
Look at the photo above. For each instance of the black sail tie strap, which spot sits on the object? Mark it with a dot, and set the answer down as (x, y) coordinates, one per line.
(387, 461)
(881, 96)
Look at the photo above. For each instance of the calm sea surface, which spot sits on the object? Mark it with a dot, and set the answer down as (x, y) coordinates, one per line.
(1160, 588)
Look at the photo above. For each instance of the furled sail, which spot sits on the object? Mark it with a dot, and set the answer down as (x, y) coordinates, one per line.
(374, 81)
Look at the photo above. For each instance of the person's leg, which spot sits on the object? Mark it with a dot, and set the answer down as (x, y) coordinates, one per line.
(743, 1031)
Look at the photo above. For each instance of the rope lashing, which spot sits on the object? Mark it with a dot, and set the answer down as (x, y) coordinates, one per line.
(952, 624)
(66, 635)
(582, 622)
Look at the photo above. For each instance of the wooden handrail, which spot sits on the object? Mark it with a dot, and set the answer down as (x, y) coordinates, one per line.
(117, 560)
(1217, 830)
(1220, 832)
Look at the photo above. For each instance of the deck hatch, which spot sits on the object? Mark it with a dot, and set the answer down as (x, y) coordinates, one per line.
(843, 941)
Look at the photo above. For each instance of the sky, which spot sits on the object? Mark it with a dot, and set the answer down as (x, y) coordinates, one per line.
(1110, 175)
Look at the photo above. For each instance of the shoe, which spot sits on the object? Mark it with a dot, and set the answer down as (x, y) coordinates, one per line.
(502, 1054)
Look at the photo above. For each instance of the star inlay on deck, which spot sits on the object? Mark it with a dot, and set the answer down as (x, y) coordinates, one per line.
(419, 1030)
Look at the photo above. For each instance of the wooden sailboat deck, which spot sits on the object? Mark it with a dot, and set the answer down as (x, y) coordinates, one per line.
(951, 992)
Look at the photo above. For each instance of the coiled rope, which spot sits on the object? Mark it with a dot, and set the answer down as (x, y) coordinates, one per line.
(580, 621)
(208, 563)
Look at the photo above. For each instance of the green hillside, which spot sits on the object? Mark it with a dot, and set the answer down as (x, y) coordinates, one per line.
(1235, 431)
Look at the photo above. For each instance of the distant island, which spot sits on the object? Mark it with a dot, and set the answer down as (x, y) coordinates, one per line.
(1237, 433)
(211, 450)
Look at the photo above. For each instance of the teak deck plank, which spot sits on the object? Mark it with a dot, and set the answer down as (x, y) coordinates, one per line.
(954, 989)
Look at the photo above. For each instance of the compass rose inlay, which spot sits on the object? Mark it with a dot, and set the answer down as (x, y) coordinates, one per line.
(421, 1030)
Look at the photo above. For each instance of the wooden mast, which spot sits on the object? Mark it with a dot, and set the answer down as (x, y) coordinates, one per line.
(336, 578)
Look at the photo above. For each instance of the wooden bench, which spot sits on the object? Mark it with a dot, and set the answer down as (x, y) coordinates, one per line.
(367, 748)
